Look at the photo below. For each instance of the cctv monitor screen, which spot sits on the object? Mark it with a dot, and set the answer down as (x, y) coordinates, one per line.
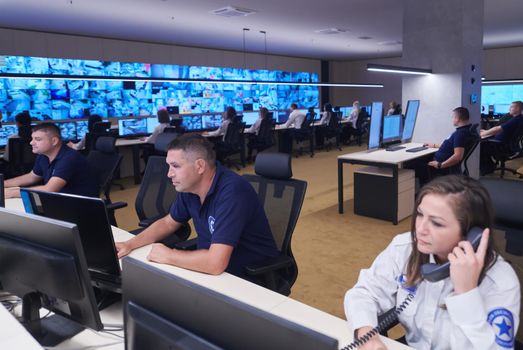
(68, 131)
(81, 129)
(211, 121)
(5, 132)
(282, 117)
(501, 108)
(375, 125)
(192, 122)
(249, 118)
(410, 120)
(151, 124)
(391, 128)
(317, 115)
(130, 127)
(345, 111)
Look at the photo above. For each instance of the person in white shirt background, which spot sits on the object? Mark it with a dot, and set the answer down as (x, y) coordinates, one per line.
(227, 117)
(350, 128)
(95, 118)
(253, 131)
(324, 121)
(294, 122)
(476, 307)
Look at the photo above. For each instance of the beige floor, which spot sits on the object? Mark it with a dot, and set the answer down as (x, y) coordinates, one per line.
(330, 248)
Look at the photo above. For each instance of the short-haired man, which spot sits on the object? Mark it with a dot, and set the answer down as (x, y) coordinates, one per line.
(58, 167)
(232, 228)
(293, 123)
(503, 134)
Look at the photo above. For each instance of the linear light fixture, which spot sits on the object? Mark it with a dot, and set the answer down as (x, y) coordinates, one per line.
(177, 80)
(394, 69)
(503, 81)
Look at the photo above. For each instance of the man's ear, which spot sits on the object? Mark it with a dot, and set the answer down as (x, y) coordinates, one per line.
(55, 140)
(201, 165)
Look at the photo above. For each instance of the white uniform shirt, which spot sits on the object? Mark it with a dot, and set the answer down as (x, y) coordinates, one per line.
(254, 128)
(325, 118)
(353, 117)
(222, 130)
(486, 317)
(296, 117)
(157, 131)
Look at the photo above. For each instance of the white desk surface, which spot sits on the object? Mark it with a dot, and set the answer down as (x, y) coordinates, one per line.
(384, 156)
(226, 284)
(13, 335)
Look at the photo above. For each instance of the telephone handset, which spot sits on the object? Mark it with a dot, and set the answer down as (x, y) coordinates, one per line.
(435, 272)
(430, 272)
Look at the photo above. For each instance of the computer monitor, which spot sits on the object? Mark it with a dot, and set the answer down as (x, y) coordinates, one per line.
(68, 131)
(42, 261)
(81, 129)
(501, 108)
(192, 122)
(345, 111)
(375, 125)
(5, 132)
(247, 107)
(249, 118)
(211, 121)
(172, 110)
(152, 123)
(179, 314)
(368, 108)
(391, 129)
(132, 127)
(410, 120)
(90, 215)
(282, 117)
(317, 116)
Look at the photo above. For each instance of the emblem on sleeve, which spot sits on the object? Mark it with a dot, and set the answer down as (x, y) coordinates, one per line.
(502, 322)
(402, 280)
(211, 220)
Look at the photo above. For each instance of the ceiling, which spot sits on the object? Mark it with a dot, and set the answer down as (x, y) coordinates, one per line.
(373, 28)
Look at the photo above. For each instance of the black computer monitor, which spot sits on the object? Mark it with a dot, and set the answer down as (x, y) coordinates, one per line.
(132, 127)
(42, 261)
(375, 125)
(410, 120)
(211, 121)
(249, 118)
(173, 110)
(68, 131)
(192, 122)
(90, 215)
(5, 132)
(283, 116)
(164, 311)
(391, 129)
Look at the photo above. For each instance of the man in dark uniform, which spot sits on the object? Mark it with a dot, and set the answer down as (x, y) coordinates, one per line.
(232, 228)
(58, 167)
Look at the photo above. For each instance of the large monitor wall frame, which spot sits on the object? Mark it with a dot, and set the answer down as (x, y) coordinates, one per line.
(62, 89)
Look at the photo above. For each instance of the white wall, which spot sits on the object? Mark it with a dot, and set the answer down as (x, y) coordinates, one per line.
(29, 43)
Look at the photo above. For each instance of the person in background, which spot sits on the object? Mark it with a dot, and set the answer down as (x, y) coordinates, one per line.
(228, 117)
(253, 131)
(322, 124)
(394, 108)
(294, 122)
(23, 123)
(93, 119)
(350, 128)
(163, 122)
(475, 307)
(58, 167)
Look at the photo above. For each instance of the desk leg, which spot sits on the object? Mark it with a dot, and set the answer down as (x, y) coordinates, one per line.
(340, 186)
(395, 194)
(136, 164)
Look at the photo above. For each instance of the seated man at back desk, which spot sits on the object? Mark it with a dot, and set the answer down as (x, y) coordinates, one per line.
(293, 123)
(450, 152)
(60, 168)
(232, 228)
(503, 134)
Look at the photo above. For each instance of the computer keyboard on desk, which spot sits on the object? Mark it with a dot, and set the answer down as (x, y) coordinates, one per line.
(394, 148)
(417, 149)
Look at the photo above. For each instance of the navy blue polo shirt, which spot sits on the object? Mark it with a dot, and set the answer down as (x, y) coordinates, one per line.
(459, 138)
(70, 166)
(231, 214)
(509, 128)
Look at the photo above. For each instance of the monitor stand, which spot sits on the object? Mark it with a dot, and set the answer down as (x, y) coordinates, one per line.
(49, 331)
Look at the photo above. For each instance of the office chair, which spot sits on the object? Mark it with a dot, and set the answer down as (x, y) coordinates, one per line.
(264, 139)
(507, 200)
(233, 143)
(99, 129)
(503, 153)
(104, 162)
(469, 150)
(21, 157)
(282, 198)
(154, 199)
(306, 133)
(162, 143)
(362, 124)
(333, 130)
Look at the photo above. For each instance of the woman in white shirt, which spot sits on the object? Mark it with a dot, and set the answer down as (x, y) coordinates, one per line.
(350, 128)
(163, 122)
(253, 132)
(95, 118)
(324, 121)
(475, 307)
(227, 117)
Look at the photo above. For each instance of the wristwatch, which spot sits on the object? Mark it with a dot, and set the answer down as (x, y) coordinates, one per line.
(439, 165)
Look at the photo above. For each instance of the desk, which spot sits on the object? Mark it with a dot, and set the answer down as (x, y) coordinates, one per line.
(135, 148)
(13, 335)
(226, 284)
(380, 158)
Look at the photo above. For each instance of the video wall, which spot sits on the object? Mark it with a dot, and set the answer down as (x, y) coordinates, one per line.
(105, 91)
(496, 99)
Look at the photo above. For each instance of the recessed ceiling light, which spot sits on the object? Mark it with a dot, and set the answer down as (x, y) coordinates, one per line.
(231, 11)
(364, 37)
(330, 31)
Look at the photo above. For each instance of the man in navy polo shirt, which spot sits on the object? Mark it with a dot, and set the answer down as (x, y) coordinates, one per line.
(450, 152)
(503, 133)
(232, 228)
(58, 167)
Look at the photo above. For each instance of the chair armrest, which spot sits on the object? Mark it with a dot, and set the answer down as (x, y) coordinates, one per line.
(269, 265)
(189, 244)
(147, 222)
(116, 205)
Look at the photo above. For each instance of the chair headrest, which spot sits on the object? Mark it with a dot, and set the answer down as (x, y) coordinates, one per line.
(273, 165)
(106, 144)
(163, 140)
(507, 198)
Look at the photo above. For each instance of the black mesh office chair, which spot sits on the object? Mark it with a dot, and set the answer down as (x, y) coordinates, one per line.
(507, 200)
(305, 134)
(264, 139)
(502, 153)
(162, 143)
(362, 125)
(99, 129)
(21, 157)
(333, 130)
(154, 199)
(233, 143)
(104, 162)
(282, 198)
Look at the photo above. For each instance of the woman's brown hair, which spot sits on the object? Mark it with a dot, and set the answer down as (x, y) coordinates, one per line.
(471, 204)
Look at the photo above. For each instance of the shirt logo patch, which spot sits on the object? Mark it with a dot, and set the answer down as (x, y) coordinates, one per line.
(402, 279)
(211, 220)
(502, 322)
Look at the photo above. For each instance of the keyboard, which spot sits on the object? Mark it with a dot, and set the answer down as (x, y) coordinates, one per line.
(417, 149)
(394, 148)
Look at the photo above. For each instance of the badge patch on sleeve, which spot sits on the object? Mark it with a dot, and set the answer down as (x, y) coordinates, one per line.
(502, 322)
(402, 279)
(211, 221)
